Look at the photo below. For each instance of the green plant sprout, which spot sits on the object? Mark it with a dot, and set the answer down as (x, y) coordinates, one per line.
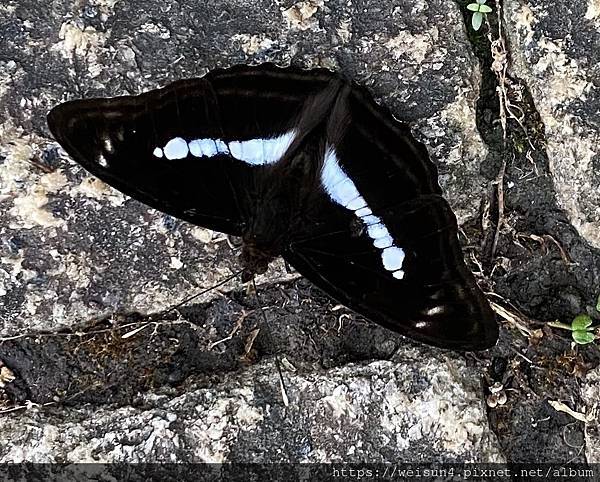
(581, 327)
(479, 9)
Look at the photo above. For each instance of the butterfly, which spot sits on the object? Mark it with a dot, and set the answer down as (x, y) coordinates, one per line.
(302, 164)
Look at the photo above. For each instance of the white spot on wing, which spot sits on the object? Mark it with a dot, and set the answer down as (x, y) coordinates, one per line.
(436, 310)
(108, 145)
(383, 242)
(363, 212)
(235, 148)
(370, 220)
(377, 231)
(332, 173)
(209, 147)
(203, 147)
(176, 148)
(157, 152)
(392, 258)
(195, 148)
(356, 204)
(275, 148)
(253, 152)
(261, 151)
(344, 192)
(221, 147)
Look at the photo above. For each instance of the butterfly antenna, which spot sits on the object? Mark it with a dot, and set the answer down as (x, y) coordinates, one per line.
(204, 291)
(284, 396)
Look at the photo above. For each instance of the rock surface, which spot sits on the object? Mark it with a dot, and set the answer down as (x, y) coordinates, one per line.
(552, 53)
(400, 411)
(590, 395)
(75, 250)
(554, 50)
(201, 385)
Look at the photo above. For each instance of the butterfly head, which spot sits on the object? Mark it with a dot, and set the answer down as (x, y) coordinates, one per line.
(254, 258)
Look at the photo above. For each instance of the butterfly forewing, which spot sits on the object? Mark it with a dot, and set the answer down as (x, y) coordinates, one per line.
(126, 141)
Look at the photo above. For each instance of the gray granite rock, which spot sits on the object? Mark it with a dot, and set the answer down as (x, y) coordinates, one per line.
(72, 248)
(401, 411)
(554, 49)
(590, 394)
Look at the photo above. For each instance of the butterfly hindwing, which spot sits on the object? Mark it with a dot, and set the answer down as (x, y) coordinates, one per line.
(434, 300)
(381, 238)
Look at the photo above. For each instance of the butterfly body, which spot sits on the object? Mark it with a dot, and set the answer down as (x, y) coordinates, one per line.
(300, 164)
(277, 211)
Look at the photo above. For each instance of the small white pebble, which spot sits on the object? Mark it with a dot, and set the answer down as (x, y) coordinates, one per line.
(176, 263)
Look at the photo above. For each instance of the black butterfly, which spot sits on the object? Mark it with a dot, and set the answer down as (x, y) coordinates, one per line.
(300, 164)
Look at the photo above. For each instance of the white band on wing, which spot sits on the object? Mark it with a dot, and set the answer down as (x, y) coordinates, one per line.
(342, 190)
(256, 152)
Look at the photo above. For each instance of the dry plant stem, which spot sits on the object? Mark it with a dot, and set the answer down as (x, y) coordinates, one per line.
(499, 182)
(250, 342)
(562, 407)
(500, 68)
(234, 330)
(28, 406)
(519, 354)
(507, 110)
(140, 325)
(542, 241)
(563, 253)
(202, 292)
(513, 318)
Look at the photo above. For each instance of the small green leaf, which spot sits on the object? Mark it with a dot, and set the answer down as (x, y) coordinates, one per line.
(480, 2)
(598, 304)
(485, 9)
(581, 322)
(477, 20)
(474, 7)
(582, 337)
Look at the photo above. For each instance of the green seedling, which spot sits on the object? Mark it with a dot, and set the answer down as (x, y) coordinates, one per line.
(581, 327)
(582, 330)
(480, 10)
